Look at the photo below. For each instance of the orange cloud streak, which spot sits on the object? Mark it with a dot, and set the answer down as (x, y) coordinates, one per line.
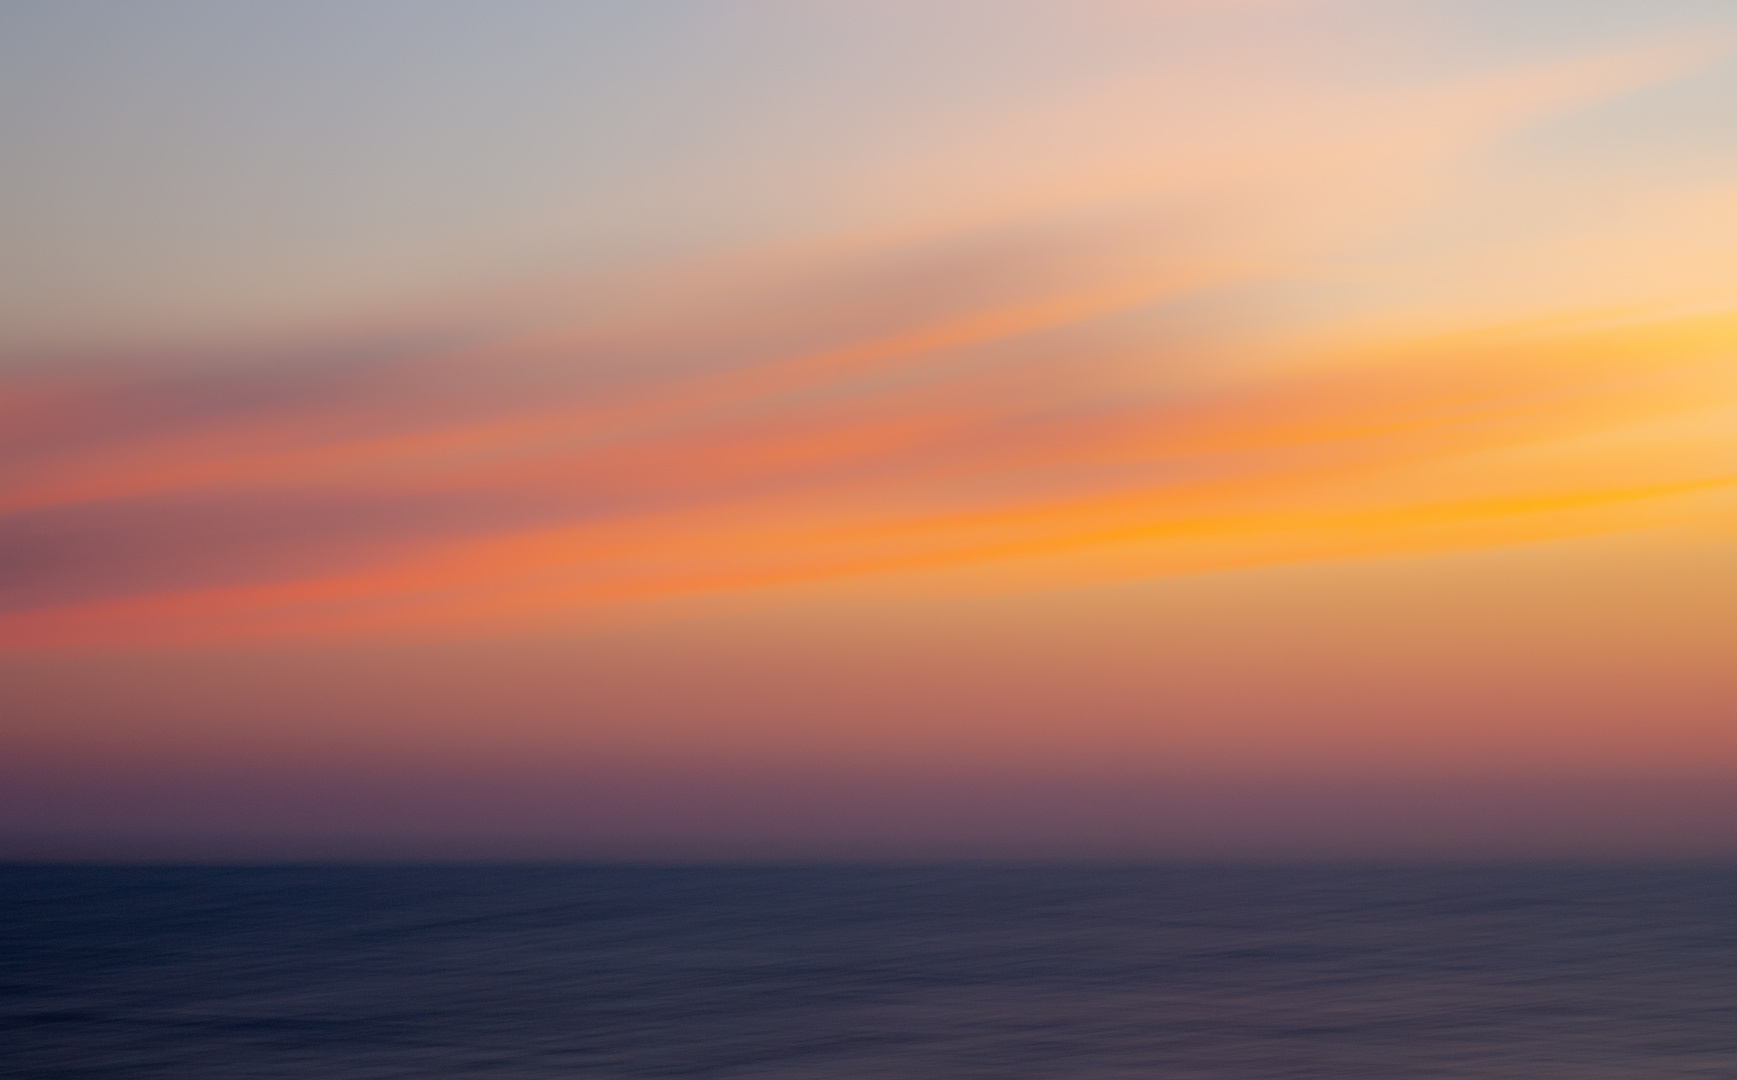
(791, 473)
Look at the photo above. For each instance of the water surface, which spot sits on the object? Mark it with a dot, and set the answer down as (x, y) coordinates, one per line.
(1079, 972)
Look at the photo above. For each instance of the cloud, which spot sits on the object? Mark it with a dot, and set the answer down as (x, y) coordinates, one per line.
(968, 443)
(1081, 373)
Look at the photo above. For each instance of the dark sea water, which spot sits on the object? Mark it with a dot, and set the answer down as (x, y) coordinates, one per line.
(1045, 971)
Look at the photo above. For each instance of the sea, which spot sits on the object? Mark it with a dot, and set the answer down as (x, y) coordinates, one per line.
(1186, 971)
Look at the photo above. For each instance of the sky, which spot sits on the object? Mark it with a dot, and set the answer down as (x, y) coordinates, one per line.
(847, 429)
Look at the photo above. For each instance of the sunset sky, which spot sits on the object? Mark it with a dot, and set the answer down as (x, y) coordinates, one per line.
(869, 428)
